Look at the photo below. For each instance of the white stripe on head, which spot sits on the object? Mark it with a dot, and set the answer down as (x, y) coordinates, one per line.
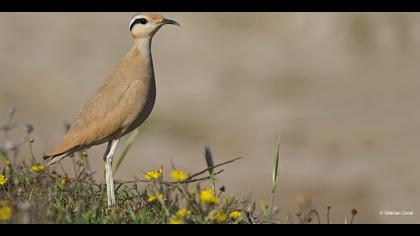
(135, 17)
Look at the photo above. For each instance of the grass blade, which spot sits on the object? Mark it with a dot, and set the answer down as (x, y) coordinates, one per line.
(275, 175)
(275, 169)
(127, 146)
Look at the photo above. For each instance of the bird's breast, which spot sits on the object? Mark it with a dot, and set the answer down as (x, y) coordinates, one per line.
(139, 98)
(142, 102)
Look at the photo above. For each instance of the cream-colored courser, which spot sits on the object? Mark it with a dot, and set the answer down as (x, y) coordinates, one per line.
(121, 104)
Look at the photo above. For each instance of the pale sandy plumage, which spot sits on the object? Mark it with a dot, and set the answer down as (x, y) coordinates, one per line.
(121, 104)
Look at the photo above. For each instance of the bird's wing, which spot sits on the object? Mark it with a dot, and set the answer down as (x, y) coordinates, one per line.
(105, 114)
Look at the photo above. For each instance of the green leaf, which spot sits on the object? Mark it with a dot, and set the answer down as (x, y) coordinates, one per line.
(275, 168)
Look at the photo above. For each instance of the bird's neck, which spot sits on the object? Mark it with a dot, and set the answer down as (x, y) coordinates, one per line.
(143, 46)
(141, 59)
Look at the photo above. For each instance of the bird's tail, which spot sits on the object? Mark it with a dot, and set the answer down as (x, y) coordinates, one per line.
(54, 159)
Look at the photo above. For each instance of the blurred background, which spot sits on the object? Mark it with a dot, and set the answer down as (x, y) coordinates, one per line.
(341, 88)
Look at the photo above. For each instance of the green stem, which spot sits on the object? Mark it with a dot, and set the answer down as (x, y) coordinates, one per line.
(127, 146)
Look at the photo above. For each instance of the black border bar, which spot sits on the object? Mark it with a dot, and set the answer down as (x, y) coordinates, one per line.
(212, 6)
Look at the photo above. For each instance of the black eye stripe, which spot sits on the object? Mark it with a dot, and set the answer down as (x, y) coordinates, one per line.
(138, 21)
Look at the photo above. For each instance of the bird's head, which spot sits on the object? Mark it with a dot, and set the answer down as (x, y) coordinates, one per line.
(145, 25)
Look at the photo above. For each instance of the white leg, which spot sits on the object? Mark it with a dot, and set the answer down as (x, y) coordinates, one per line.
(108, 171)
(108, 149)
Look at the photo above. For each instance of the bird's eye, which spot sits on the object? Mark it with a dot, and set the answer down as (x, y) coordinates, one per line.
(143, 21)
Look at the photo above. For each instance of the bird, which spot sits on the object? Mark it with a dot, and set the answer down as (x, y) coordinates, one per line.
(123, 102)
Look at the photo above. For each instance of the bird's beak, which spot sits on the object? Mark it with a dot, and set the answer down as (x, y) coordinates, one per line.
(170, 22)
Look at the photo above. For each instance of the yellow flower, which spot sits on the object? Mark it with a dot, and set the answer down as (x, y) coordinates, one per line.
(37, 169)
(207, 196)
(153, 175)
(219, 217)
(183, 212)
(5, 213)
(154, 198)
(235, 215)
(3, 180)
(175, 221)
(178, 175)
